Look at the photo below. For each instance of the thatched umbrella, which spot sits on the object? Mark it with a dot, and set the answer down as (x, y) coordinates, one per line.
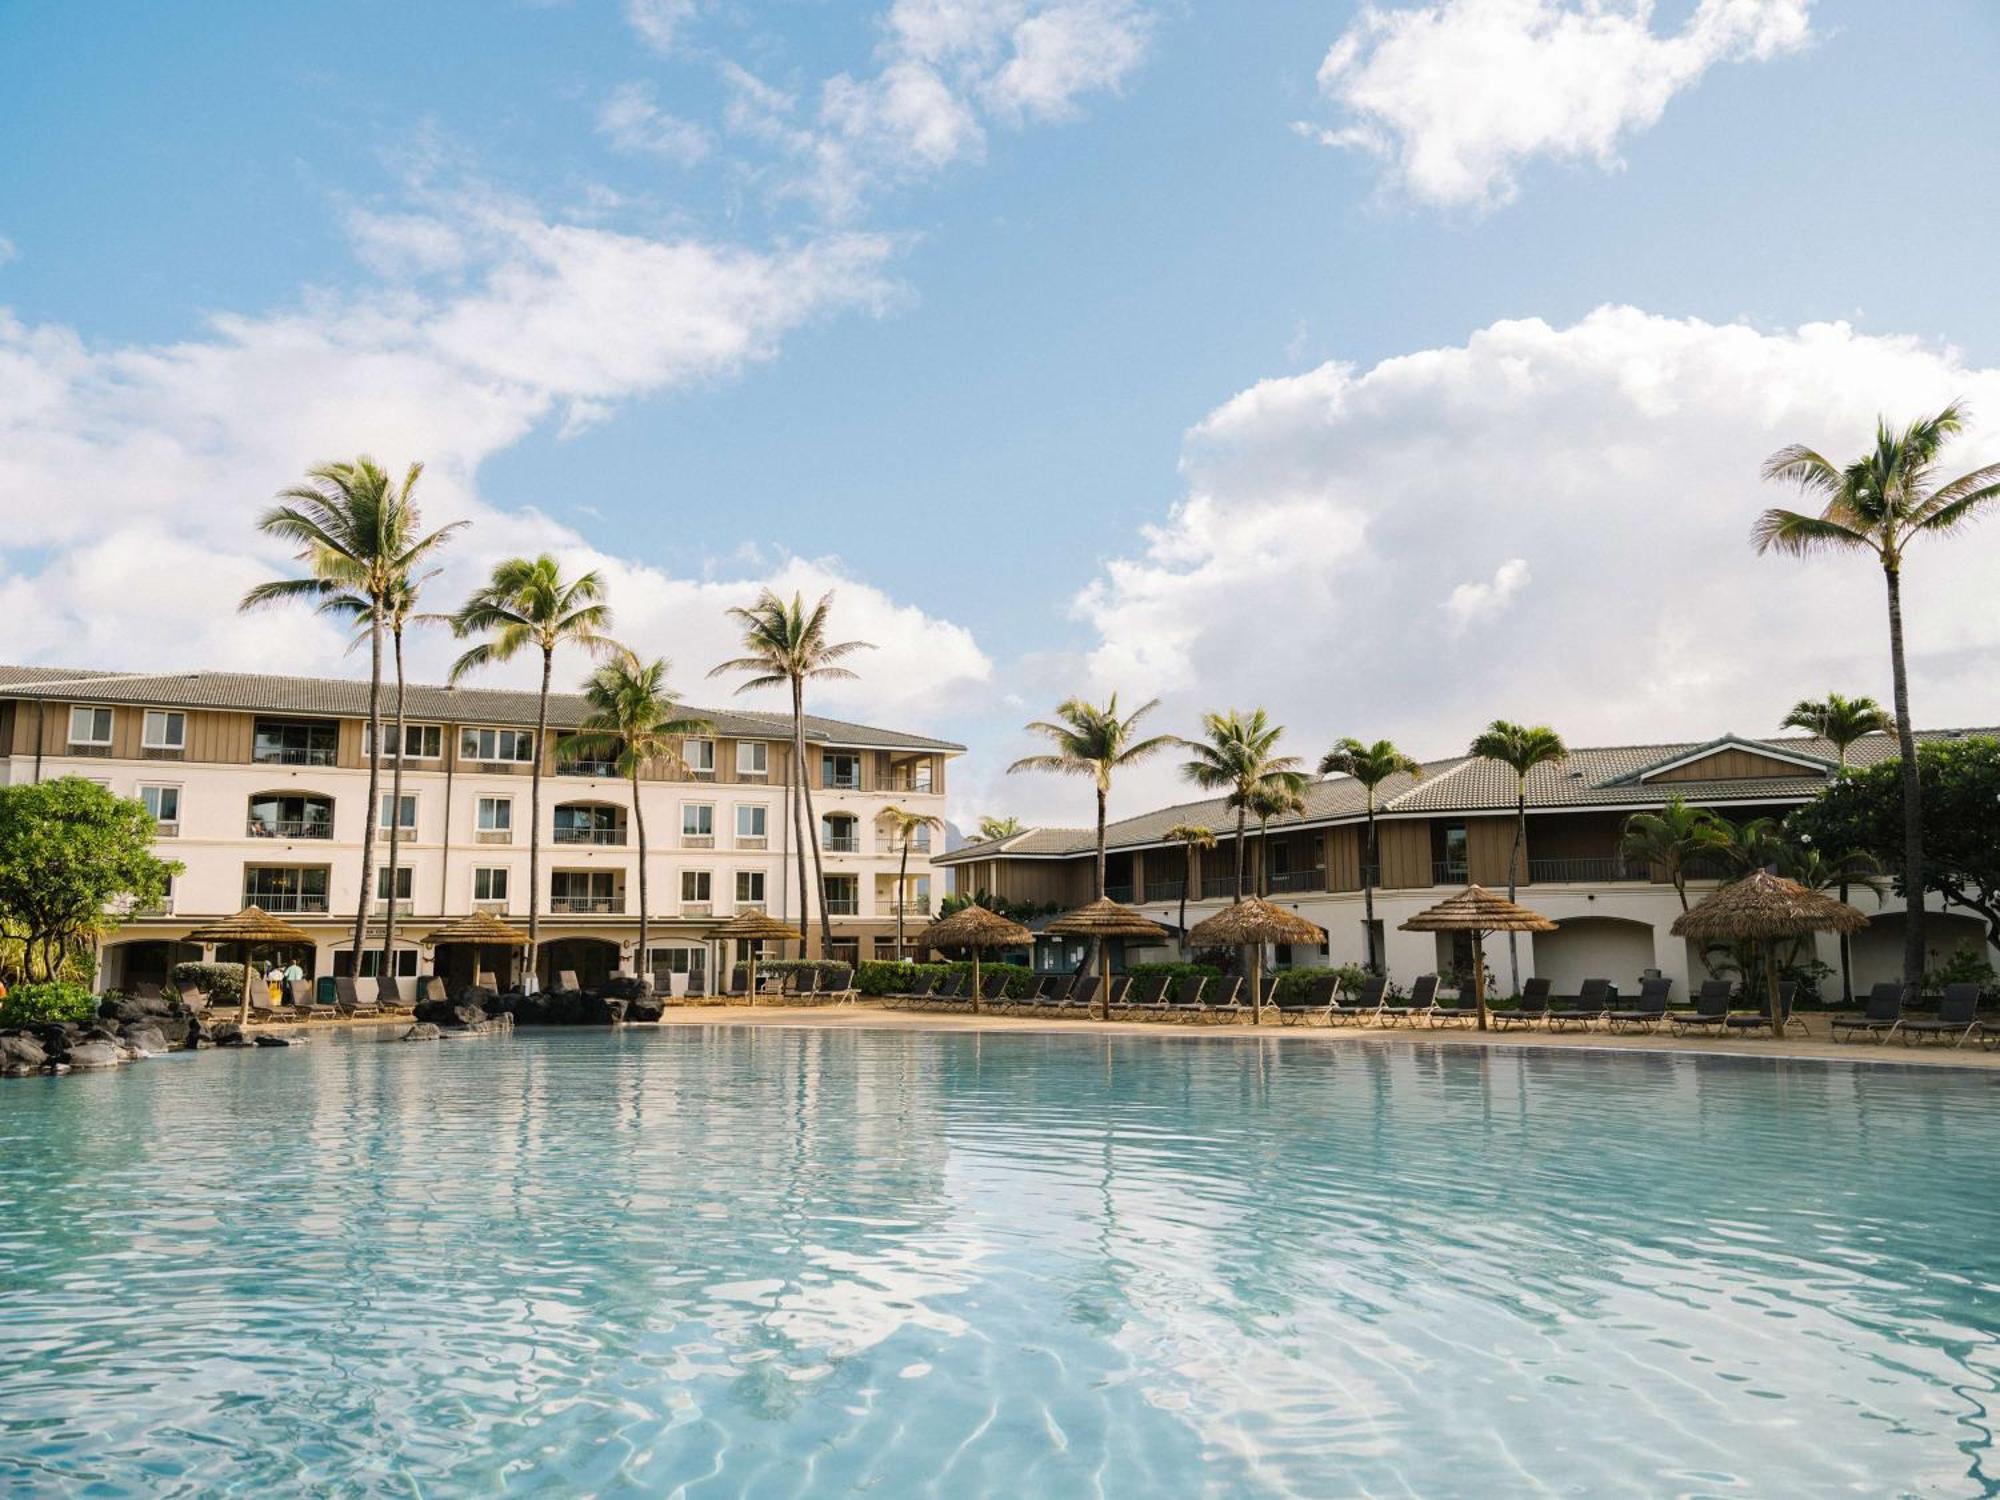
(1105, 918)
(1253, 922)
(479, 929)
(756, 926)
(1478, 911)
(1762, 908)
(974, 927)
(252, 925)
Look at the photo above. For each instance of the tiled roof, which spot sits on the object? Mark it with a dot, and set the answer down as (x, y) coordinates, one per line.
(348, 698)
(1593, 776)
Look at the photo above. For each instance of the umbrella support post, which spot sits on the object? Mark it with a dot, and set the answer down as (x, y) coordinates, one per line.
(1479, 976)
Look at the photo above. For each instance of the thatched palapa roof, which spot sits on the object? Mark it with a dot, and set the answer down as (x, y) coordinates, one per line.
(479, 927)
(1105, 918)
(1255, 920)
(974, 927)
(1764, 905)
(1476, 909)
(757, 925)
(251, 925)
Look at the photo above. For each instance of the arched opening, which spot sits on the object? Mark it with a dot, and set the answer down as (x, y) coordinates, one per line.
(592, 960)
(1612, 948)
(840, 833)
(589, 823)
(459, 965)
(143, 961)
(1877, 949)
(290, 814)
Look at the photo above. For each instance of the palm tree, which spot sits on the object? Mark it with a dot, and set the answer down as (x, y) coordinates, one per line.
(1371, 765)
(1268, 800)
(1754, 844)
(1880, 504)
(1191, 836)
(904, 825)
(634, 721)
(787, 645)
(359, 533)
(991, 828)
(1239, 756)
(1094, 742)
(1521, 748)
(528, 605)
(1669, 838)
(1841, 721)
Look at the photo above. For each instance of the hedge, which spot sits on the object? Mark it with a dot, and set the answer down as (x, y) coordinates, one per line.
(886, 977)
(222, 983)
(1174, 970)
(53, 1000)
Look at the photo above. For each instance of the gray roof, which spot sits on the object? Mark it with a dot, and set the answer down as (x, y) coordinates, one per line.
(1595, 776)
(348, 698)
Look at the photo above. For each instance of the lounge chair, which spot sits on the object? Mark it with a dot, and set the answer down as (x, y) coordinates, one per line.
(1592, 1002)
(1711, 1010)
(837, 981)
(1957, 1017)
(1084, 991)
(924, 985)
(1317, 999)
(305, 1003)
(1883, 1017)
(957, 986)
(697, 985)
(1365, 1006)
(347, 998)
(1121, 986)
(1417, 1003)
(485, 980)
(1649, 1012)
(1760, 1018)
(1225, 996)
(433, 988)
(389, 995)
(1530, 1010)
(566, 980)
(1187, 994)
(1446, 1015)
(194, 1000)
(1149, 992)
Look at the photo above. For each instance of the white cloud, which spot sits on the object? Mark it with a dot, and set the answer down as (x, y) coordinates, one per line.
(1478, 603)
(1328, 516)
(631, 121)
(659, 22)
(1454, 96)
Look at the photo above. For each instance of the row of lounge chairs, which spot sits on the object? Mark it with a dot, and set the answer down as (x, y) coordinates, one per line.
(303, 1003)
(1195, 995)
(814, 982)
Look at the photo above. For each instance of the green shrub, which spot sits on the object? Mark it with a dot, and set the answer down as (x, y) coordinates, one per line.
(881, 976)
(55, 1000)
(222, 983)
(1175, 971)
(1966, 966)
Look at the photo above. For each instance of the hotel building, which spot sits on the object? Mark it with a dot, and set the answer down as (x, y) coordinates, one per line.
(1455, 824)
(258, 786)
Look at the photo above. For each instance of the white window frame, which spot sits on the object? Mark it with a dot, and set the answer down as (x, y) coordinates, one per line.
(687, 833)
(505, 872)
(707, 876)
(523, 738)
(167, 716)
(163, 786)
(92, 709)
(421, 731)
(699, 756)
(763, 879)
(382, 821)
(763, 835)
(478, 811)
(753, 759)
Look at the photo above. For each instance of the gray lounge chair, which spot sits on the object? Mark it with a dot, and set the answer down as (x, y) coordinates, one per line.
(486, 980)
(347, 998)
(1760, 1018)
(1649, 1013)
(924, 984)
(1882, 1018)
(1225, 995)
(195, 1000)
(434, 989)
(389, 995)
(1592, 1003)
(1441, 1014)
(1956, 1020)
(1365, 1006)
(1318, 999)
(1414, 1006)
(305, 1003)
(1187, 994)
(1711, 1010)
(1530, 1010)
(566, 980)
(1148, 992)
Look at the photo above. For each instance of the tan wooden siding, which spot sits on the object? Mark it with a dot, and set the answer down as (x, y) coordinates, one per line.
(1405, 845)
(1731, 765)
(1488, 844)
(1344, 848)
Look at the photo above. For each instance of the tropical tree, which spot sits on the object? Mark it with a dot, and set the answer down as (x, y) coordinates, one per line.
(360, 534)
(904, 825)
(786, 645)
(1878, 505)
(1238, 756)
(1670, 838)
(1191, 836)
(634, 721)
(1841, 721)
(75, 863)
(1753, 844)
(527, 605)
(1521, 748)
(991, 828)
(1273, 799)
(1371, 766)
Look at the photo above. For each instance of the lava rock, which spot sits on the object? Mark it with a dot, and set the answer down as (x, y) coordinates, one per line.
(273, 1039)
(21, 1049)
(145, 1037)
(626, 987)
(645, 1009)
(423, 1031)
(95, 1054)
(229, 1034)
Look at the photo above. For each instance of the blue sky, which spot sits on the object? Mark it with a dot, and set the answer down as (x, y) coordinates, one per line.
(1080, 343)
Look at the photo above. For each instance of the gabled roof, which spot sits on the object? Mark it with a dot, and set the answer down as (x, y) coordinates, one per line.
(250, 692)
(1765, 750)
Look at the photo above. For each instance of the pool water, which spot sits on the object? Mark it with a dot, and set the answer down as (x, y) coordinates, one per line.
(718, 1262)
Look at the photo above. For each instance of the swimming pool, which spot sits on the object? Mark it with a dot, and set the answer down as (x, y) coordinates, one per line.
(715, 1262)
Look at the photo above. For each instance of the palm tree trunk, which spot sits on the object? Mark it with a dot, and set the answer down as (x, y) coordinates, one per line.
(797, 819)
(535, 815)
(1241, 836)
(374, 780)
(1513, 875)
(812, 820)
(1187, 881)
(1368, 890)
(902, 885)
(639, 826)
(1100, 957)
(387, 968)
(1913, 805)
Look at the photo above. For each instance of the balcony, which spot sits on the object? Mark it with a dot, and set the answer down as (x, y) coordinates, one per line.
(841, 843)
(587, 906)
(286, 902)
(1119, 893)
(600, 836)
(586, 768)
(1220, 885)
(901, 781)
(910, 908)
(1605, 868)
(1283, 881)
(843, 906)
(1165, 890)
(1449, 872)
(288, 828)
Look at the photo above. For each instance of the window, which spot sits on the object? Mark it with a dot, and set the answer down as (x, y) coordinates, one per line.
(295, 742)
(407, 823)
(420, 741)
(489, 883)
(403, 961)
(89, 726)
(589, 823)
(696, 886)
(698, 822)
(752, 824)
(842, 772)
(700, 757)
(497, 745)
(164, 730)
(753, 758)
(839, 834)
(496, 814)
(281, 815)
(670, 961)
(843, 895)
(405, 882)
(164, 803)
(585, 891)
(749, 887)
(285, 888)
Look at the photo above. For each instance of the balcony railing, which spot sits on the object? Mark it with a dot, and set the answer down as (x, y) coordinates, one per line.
(906, 783)
(838, 843)
(322, 756)
(1449, 872)
(1122, 893)
(1608, 867)
(1297, 880)
(911, 908)
(1220, 885)
(843, 906)
(839, 783)
(285, 901)
(288, 828)
(588, 906)
(586, 768)
(590, 836)
(1165, 890)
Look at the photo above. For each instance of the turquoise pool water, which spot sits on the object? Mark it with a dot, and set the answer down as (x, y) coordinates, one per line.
(711, 1262)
